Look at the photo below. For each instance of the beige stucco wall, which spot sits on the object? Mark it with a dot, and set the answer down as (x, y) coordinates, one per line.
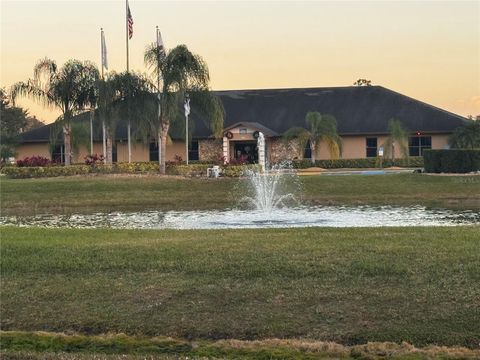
(440, 142)
(139, 152)
(82, 151)
(354, 147)
(33, 149)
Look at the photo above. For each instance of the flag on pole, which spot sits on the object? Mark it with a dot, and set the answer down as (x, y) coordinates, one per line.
(187, 106)
(130, 22)
(104, 52)
(160, 41)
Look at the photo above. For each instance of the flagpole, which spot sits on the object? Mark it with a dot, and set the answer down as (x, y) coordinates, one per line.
(187, 112)
(159, 108)
(129, 125)
(126, 28)
(104, 140)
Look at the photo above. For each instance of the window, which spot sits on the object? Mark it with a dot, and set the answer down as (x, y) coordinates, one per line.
(307, 152)
(58, 154)
(371, 144)
(416, 145)
(153, 152)
(243, 130)
(193, 150)
(114, 153)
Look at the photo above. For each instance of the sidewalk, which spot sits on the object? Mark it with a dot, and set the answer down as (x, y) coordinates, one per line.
(367, 171)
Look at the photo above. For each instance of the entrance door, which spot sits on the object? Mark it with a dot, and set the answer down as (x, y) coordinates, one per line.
(246, 151)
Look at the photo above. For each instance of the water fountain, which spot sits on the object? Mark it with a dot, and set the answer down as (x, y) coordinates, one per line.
(272, 189)
(267, 201)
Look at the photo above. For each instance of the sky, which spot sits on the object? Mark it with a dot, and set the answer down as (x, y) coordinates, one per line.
(428, 50)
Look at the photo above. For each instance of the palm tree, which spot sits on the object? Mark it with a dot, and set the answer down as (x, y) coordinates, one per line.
(64, 88)
(398, 135)
(106, 99)
(134, 103)
(179, 72)
(321, 128)
(466, 137)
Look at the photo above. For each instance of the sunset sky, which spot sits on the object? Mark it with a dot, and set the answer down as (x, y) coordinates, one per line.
(429, 50)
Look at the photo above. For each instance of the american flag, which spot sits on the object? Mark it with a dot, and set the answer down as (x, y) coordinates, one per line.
(130, 22)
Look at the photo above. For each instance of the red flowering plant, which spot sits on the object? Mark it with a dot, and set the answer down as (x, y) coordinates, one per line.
(33, 161)
(94, 159)
(242, 160)
(176, 161)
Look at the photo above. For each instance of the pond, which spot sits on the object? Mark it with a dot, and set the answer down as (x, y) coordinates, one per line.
(312, 216)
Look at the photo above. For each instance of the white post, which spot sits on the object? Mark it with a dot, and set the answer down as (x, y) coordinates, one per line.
(129, 143)
(104, 140)
(91, 132)
(186, 138)
(186, 105)
(261, 150)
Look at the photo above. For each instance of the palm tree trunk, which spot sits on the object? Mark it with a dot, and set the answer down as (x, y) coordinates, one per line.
(159, 136)
(313, 148)
(129, 130)
(163, 144)
(92, 118)
(67, 132)
(109, 149)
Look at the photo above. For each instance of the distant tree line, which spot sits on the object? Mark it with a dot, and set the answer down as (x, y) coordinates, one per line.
(13, 121)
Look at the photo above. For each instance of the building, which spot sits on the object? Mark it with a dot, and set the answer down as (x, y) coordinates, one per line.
(362, 115)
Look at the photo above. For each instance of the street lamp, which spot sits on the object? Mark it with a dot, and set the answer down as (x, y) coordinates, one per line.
(186, 105)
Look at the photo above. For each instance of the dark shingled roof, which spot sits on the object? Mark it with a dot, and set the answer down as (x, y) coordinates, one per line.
(358, 110)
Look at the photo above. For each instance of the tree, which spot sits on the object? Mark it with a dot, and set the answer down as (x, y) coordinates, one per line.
(178, 72)
(66, 88)
(321, 128)
(397, 135)
(106, 99)
(466, 137)
(362, 82)
(13, 120)
(134, 103)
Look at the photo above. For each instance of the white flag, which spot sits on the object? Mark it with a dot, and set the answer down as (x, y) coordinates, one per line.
(186, 105)
(104, 52)
(160, 41)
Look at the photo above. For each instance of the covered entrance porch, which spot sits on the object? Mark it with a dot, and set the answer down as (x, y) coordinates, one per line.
(240, 142)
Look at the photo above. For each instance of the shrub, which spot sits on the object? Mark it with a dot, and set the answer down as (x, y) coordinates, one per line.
(94, 159)
(33, 161)
(238, 170)
(416, 161)
(50, 171)
(137, 167)
(188, 170)
(451, 161)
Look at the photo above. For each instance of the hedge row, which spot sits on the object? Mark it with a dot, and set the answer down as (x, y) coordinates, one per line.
(192, 170)
(452, 161)
(416, 161)
(47, 171)
(195, 169)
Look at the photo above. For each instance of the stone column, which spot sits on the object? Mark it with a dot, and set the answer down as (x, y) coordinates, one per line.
(226, 157)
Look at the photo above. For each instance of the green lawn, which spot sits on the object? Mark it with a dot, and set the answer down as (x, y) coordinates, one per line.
(114, 193)
(420, 285)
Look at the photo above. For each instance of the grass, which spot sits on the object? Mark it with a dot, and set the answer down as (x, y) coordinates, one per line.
(350, 286)
(41, 345)
(116, 193)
